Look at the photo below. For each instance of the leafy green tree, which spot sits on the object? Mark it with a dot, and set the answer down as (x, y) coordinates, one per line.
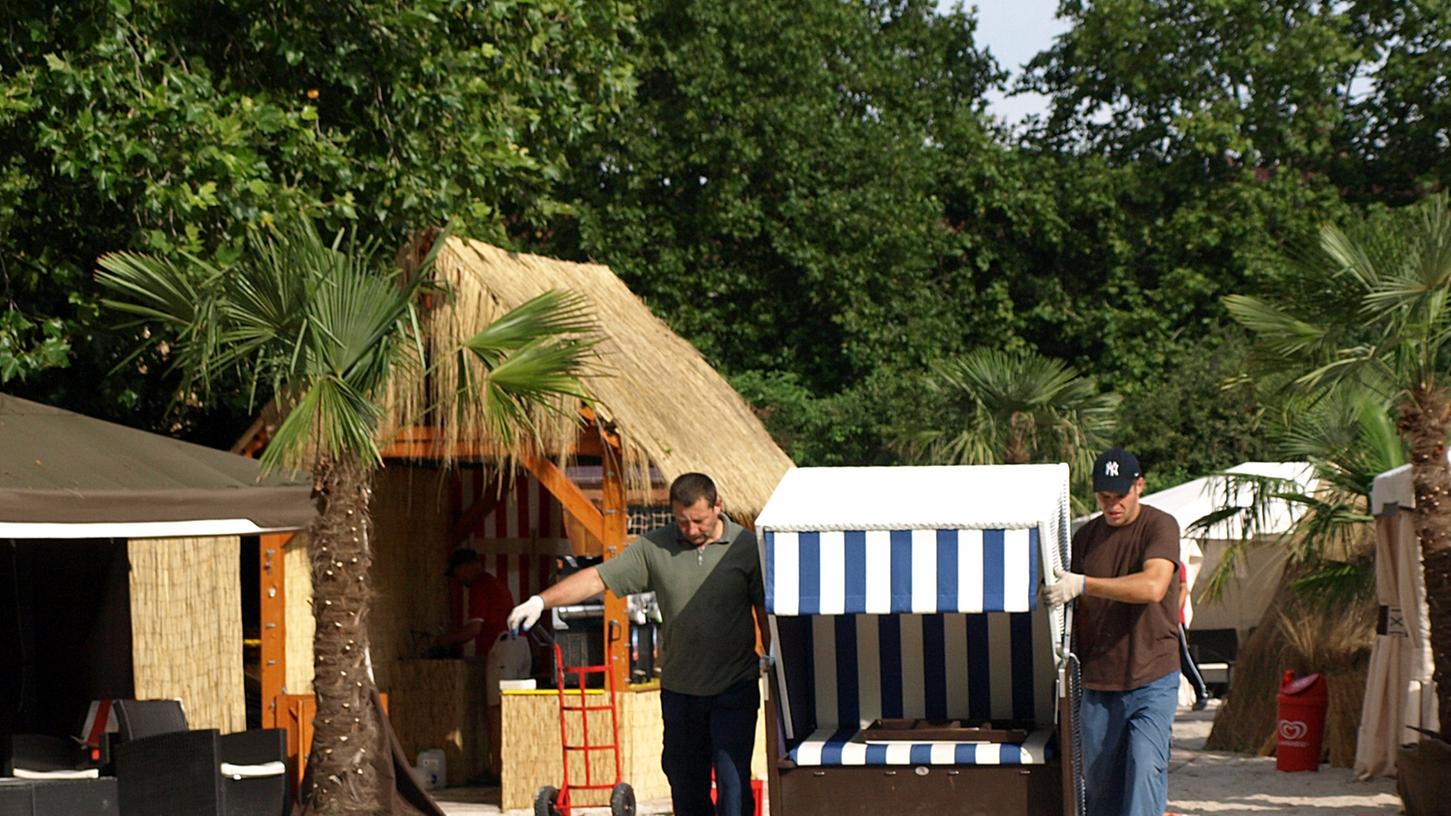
(1186, 141)
(332, 331)
(1400, 120)
(176, 128)
(1199, 415)
(1397, 270)
(771, 192)
(1235, 82)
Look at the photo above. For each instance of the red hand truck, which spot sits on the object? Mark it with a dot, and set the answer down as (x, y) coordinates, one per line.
(552, 801)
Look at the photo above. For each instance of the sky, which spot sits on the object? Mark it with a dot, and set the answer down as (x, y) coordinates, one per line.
(1014, 31)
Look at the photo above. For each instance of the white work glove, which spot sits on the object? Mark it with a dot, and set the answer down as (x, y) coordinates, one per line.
(526, 614)
(1068, 587)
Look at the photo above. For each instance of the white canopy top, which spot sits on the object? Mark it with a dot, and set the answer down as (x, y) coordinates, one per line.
(1195, 499)
(918, 498)
(1394, 487)
(198, 528)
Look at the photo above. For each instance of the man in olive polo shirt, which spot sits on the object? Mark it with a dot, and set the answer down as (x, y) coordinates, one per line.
(706, 575)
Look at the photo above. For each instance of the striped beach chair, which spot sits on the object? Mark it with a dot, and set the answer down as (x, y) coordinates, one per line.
(910, 594)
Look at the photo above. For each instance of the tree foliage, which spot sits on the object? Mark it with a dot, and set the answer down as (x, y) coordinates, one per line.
(772, 190)
(177, 127)
(816, 196)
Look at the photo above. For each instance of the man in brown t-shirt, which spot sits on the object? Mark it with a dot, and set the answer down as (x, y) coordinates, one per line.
(1125, 633)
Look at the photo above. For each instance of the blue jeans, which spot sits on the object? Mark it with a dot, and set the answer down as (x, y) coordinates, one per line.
(701, 733)
(1126, 747)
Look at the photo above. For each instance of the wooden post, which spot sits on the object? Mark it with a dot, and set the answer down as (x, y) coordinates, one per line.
(616, 517)
(273, 621)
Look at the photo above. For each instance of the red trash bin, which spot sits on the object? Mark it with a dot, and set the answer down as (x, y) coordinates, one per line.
(1300, 722)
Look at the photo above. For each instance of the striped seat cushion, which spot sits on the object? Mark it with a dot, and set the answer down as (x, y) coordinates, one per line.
(901, 571)
(842, 672)
(846, 747)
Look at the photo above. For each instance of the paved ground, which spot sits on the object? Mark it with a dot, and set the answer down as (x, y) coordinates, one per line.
(1201, 783)
(480, 801)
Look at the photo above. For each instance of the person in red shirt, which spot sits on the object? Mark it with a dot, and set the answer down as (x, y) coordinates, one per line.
(489, 603)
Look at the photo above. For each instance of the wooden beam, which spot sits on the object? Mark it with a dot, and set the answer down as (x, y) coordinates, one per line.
(273, 622)
(423, 442)
(570, 497)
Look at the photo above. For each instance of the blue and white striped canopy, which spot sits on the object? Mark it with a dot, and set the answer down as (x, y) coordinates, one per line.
(913, 540)
(901, 571)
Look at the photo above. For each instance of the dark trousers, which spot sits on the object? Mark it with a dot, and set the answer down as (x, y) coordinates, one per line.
(704, 733)
(1190, 669)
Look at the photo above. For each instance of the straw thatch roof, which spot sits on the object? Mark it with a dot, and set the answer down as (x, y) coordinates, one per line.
(669, 406)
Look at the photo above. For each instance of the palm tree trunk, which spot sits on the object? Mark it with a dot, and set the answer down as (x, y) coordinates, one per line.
(1020, 428)
(345, 778)
(1424, 422)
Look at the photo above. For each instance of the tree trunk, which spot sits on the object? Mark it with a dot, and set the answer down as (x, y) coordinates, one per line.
(1424, 423)
(1020, 428)
(345, 778)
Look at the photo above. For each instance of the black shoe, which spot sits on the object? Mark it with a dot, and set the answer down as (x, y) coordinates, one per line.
(1201, 704)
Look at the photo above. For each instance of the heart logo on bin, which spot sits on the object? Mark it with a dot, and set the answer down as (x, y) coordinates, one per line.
(1292, 730)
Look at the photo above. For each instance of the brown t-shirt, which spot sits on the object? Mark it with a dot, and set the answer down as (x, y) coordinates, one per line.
(1123, 646)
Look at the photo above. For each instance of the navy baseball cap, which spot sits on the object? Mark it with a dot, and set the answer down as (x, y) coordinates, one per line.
(1115, 471)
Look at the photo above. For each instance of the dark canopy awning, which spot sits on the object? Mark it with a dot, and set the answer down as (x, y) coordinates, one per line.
(63, 475)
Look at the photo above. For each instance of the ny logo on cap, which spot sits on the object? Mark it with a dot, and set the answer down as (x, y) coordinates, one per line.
(1110, 468)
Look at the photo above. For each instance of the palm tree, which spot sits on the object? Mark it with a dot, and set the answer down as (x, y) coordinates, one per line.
(1013, 408)
(1348, 437)
(332, 330)
(1396, 271)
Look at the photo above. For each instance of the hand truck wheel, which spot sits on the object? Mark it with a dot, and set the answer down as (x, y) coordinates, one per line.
(546, 801)
(622, 800)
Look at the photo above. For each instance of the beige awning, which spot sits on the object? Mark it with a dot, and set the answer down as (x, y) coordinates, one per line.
(64, 475)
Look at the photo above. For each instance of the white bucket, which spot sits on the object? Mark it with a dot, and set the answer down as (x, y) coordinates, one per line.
(432, 769)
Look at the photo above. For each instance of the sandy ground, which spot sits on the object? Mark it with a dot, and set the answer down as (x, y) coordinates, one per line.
(1201, 783)
(1225, 784)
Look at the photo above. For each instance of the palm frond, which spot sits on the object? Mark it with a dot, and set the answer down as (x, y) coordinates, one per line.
(1335, 584)
(1281, 332)
(329, 418)
(155, 288)
(551, 314)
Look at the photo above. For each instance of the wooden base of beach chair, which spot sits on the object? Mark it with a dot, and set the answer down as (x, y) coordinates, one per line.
(974, 790)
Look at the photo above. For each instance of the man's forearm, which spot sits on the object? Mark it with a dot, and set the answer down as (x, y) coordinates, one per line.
(463, 634)
(586, 583)
(1144, 587)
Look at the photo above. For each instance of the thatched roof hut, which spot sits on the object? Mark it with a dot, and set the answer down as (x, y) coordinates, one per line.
(670, 407)
(522, 502)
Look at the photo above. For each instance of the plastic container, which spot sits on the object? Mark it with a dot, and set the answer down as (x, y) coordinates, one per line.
(432, 769)
(1300, 722)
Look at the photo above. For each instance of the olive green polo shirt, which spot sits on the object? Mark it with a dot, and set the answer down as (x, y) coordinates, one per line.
(707, 636)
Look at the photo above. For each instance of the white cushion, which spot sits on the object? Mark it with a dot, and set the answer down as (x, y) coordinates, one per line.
(89, 773)
(273, 768)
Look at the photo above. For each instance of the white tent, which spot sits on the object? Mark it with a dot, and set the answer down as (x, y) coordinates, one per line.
(1399, 691)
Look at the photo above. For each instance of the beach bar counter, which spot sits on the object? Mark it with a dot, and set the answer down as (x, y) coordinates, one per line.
(914, 669)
